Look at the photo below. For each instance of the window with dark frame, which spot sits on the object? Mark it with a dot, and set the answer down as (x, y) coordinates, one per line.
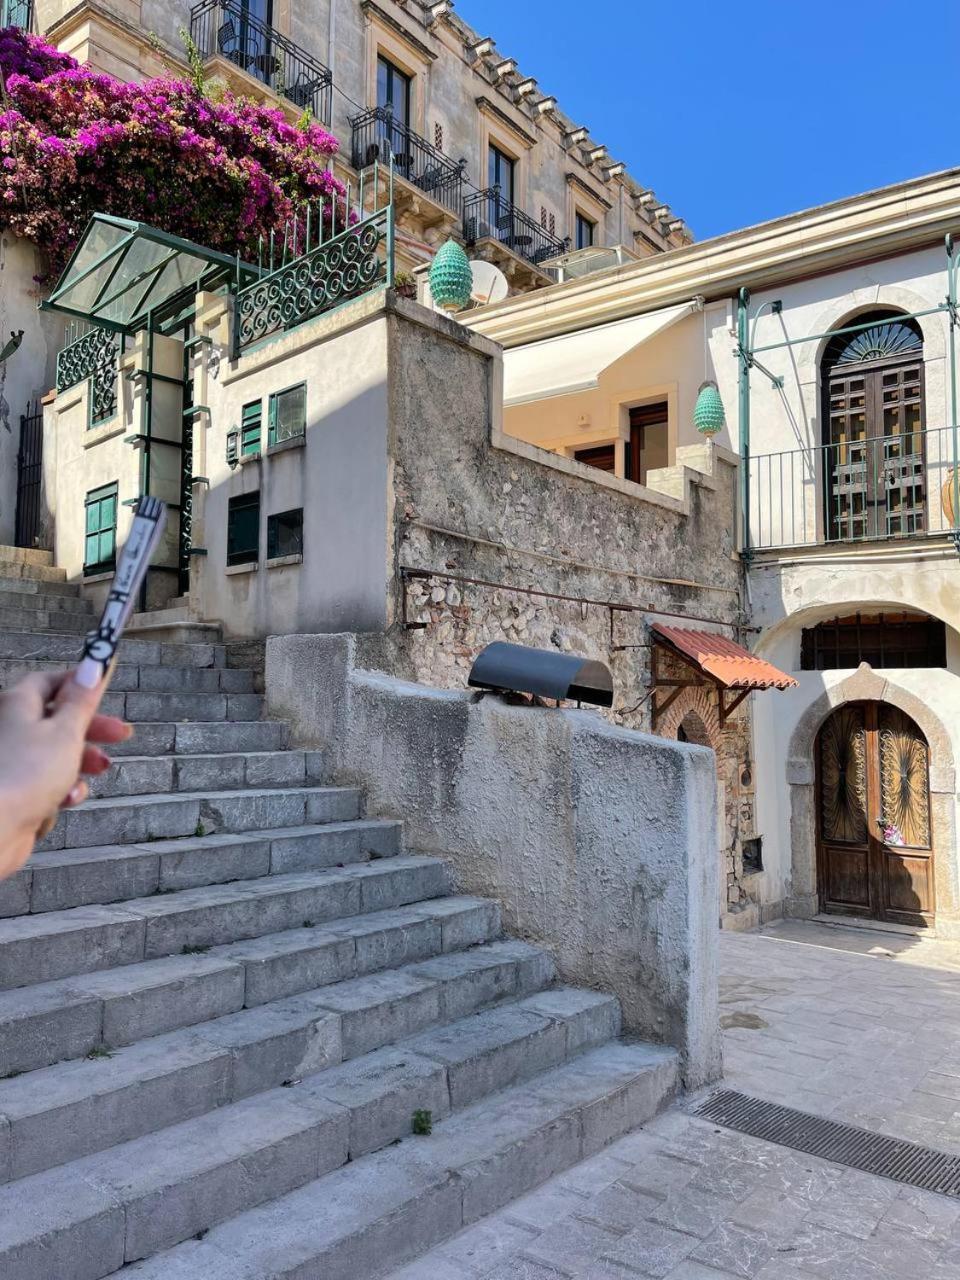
(883, 640)
(285, 534)
(603, 457)
(243, 529)
(251, 420)
(501, 172)
(100, 525)
(585, 232)
(649, 445)
(288, 414)
(393, 90)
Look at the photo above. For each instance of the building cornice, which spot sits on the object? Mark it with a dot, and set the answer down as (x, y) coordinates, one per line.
(373, 12)
(574, 180)
(878, 224)
(488, 107)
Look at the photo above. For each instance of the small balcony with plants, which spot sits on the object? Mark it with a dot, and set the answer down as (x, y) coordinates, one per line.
(427, 183)
(508, 236)
(248, 53)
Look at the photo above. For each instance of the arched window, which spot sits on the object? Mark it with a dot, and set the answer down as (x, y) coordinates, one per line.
(873, 447)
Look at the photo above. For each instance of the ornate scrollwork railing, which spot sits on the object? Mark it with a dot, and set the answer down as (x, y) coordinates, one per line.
(349, 264)
(94, 356)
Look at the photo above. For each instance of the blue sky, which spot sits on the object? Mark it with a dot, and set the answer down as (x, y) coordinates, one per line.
(741, 111)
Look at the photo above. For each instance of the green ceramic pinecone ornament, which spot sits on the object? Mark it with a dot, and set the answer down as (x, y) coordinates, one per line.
(708, 416)
(451, 279)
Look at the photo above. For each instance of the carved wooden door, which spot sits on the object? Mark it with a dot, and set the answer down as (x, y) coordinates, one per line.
(875, 853)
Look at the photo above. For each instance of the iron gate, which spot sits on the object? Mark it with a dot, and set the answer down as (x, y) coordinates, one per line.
(29, 470)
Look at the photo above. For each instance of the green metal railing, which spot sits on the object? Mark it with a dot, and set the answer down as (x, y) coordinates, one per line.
(91, 354)
(892, 487)
(882, 488)
(315, 267)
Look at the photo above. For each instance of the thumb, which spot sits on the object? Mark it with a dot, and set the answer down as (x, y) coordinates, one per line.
(74, 706)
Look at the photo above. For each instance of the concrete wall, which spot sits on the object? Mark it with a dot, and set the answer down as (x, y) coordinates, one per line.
(598, 842)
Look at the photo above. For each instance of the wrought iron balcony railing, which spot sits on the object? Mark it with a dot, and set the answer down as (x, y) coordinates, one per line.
(93, 356)
(226, 29)
(378, 136)
(489, 215)
(16, 13)
(887, 487)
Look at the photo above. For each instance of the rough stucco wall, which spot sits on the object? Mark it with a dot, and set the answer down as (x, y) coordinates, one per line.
(599, 842)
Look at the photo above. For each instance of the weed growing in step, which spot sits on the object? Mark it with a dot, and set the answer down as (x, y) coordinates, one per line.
(308, 924)
(99, 1051)
(195, 951)
(422, 1124)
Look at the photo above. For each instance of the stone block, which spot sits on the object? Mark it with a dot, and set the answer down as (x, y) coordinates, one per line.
(264, 735)
(382, 839)
(411, 879)
(381, 1091)
(236, 680)
(251, 811)
(209, 773)
(388, 939)
(166, 679)
(332, 804)
(287, 963)
(177, 706)
(81, 877)
(492, 1051)
(310, 848)
(129, 820)
(43, 948)
(15, 893)
(274, 769)
(470, 979)
(58, 1226)
(464, 922)
(44, 1024)
(315, 766)
(205, 860)
(590, 1019)
(377, 1010)
(243, 706)
(191, 655)
(147, 740)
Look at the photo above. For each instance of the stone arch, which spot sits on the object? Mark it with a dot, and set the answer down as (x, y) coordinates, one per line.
(842, 311)
(698, 712)
(867, 685)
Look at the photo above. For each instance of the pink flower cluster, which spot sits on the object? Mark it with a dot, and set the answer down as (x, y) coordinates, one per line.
(74, 143)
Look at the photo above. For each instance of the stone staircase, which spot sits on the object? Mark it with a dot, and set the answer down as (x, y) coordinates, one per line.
(244, 1034)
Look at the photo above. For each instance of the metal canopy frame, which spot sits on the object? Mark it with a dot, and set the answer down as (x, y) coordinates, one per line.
(747, 352)
(121, 282)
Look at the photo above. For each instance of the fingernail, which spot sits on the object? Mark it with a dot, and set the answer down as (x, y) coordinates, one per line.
(75, 794)
(88, 674)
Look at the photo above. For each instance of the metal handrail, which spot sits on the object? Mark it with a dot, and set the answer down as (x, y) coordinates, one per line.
(489, 215)
(876, 489)
(224, 28)
(378, 137)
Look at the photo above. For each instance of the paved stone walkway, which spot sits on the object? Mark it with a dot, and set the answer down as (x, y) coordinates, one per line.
(856, 1024)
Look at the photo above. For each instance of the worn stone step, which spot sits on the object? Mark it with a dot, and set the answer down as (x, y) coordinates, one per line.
(183, 706)
(213, 737)
(44, 573)
(135, 819)
(131, 678)
(57, 620)
(56, 1021)
(51, 602)
(145, 775)
(73, 1109)
(18, 584)
(27, 555)
(41, 948)
(59, 879)
(385, 1209)
(19, 642)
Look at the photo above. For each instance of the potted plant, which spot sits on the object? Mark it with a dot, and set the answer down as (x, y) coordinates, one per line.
(405, 285)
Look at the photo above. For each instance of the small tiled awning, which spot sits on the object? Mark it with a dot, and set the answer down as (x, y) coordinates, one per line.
(726, 663)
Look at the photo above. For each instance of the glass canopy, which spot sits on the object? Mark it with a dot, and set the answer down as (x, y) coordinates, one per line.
(121, 271)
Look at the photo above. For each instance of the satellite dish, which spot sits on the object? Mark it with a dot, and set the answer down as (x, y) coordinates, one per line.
(489, 283)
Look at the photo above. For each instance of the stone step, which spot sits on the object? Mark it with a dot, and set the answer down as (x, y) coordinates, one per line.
(145, 775)
(198, 738)
(131, 678)
(44, 573)
(17, 641)
(26, 555)
(50, 602)
(136, 819)
(18, 584)
(42, 948)
(60, 879)
(73, 1109)
(183, 706)
(58, 621)
(373, 1214)
(178, 632)
(56, 1021)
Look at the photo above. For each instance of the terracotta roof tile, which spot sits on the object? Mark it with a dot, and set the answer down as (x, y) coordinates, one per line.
(728, 663)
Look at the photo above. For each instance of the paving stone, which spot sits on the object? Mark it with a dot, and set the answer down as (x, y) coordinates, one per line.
(618, 1207)
(572, 1244)
(652, 1249)
(736, 1250)
(485, 1245)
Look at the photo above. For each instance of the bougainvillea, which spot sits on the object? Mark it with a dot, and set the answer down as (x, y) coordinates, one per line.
(74, 142)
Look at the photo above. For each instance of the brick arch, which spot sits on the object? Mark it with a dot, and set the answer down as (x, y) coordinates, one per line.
(701, 707)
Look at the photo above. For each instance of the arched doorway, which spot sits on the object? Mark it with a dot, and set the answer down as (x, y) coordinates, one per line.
(873, 449)
(874, 841)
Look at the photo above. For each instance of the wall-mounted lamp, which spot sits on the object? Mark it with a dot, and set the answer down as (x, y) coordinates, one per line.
(10, 346)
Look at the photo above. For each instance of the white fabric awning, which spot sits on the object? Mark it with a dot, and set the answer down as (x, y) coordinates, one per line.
(575, 361)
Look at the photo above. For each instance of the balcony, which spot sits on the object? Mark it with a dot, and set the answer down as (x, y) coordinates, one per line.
(16, 13)
(490, 216)
(379, 138)
(883, 489)
(224, 29)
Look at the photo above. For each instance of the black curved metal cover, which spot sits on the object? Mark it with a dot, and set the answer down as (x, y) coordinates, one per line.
(516, 668)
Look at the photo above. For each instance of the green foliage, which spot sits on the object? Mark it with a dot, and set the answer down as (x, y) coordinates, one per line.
(422, 1123)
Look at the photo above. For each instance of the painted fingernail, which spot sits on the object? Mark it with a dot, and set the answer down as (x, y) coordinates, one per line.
(88, 674)
(75, 795)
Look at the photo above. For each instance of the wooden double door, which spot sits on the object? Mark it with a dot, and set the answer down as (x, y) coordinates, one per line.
(874, 839)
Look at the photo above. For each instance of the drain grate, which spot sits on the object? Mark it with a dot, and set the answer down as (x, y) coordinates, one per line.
(877, 1153)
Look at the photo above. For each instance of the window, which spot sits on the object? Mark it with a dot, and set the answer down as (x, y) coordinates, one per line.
(883, 640)
(393, 90)
(438, 135)
(585, 232)
(288, 414)
(649, 445)
(603, 457)
(501, 171)
(285, 534)
(243, 529)
(250, 423)
(100, 542)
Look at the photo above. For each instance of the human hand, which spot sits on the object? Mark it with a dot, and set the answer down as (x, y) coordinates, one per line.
(48, 725)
